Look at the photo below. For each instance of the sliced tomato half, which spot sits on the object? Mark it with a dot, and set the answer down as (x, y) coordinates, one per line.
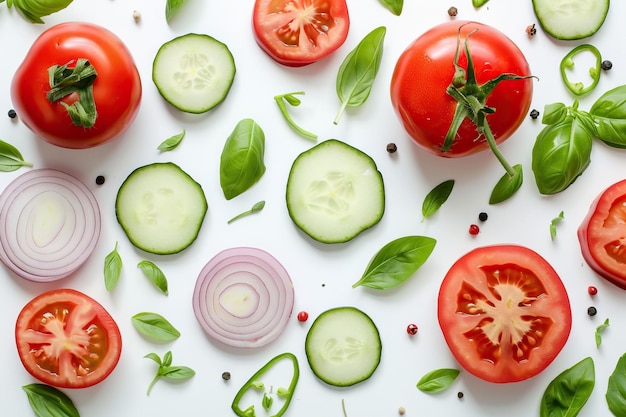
(67, 340)
(300, 32)
(602, 234)
(504, 313)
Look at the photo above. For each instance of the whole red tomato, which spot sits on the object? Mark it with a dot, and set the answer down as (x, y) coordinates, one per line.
(116, 87)
(504, 313)
(300, 33)
(601, 234)
(425, 71)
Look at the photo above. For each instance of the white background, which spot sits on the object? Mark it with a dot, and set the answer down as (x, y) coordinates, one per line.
(322, 274)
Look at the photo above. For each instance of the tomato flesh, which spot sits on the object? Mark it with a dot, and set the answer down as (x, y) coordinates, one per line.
(602, 234)
(504, 313)
(300, 32)
(66, 339)
(425, 69)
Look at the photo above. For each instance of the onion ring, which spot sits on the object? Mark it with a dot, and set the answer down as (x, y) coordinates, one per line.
(243, 297)
(49, 225)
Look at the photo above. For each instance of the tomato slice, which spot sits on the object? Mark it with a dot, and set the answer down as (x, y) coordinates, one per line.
(504, 313)
(67, 340)
(300, 32)
(602, 234)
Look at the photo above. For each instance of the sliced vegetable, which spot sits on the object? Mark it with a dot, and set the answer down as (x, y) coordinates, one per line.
(168, 371)
(155, 327)
(154, 274)
(242, 161)
(571, 19)
(11, 158)
(437, 380)
(616, 389)
(47, 401)
(284, 395)
(579, 88)
(396, 262)
(436, 197)
(243, 297)
(568, 393)
(160, 208)
(49, 225)
(193, 72)
(343, 346)
(335, 192)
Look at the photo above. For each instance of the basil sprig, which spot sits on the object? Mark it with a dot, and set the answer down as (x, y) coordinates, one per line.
(154, 274)
(437, 380)
(394, 6)
(358, 71)
(34, 10)
(168, 371)
(616, 389)
(154, 326)
(47, 401)
(568, 393)
(112, 269)
(242, 162)
(258, 206)
(291, 99)
(436, 197)
(396, 262)
(10, 158)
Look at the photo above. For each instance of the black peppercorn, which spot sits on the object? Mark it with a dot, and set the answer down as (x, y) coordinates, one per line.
(100, 179)
(534, 113)
(226, 376)
(592, 311)
(12, 114)
(459, 394)
(606, 65)
(483, 216)
(391, 147)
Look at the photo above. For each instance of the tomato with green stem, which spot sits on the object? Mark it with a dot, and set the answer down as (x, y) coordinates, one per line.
(94, 94)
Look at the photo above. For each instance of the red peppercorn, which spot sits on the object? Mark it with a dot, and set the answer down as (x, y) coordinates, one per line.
(411, 329)
(474, 229)
(592, 290)
(303, 316)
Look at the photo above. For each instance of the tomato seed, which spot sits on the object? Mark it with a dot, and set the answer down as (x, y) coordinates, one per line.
(592, 311)
(474, 229)
(592, 290)
(411, 329)
(303, 316)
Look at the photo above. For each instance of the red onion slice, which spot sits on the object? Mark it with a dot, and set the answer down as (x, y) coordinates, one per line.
(49, 225)
(243, 297)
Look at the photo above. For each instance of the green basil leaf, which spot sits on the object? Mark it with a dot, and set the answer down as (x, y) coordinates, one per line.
(561, 154)
(154, 274)
(112, 269)
(167, 359)
(553, 224)
(437, 380)
(436, 197)
(10, 158)
(616, 389)
(47, 401)
(358, 71)
(171, 143)
(554, 113)
(507, 185)
(258, 206)
(154, 357)
(567, 394)
(609, 116)
(599, 330)
(154, 326)
(396, 262)
(171, 7)
(242, 161)
(394, 6)
(34, 10)
(167, 371)
(177, 372)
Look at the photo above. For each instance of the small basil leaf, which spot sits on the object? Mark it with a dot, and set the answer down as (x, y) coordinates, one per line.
(167, 359)
(599, 330)
(154, 326)
(10, 158)
(561, 153)
(394, 6)
(294, 101)
(506, 186)
(567, 394)
(171, 143)
(609, 116)
(358, 71)
(479, 3)
(616, 389)
(167, 371)
(171, 7)
(112, 269)
(553, 224)
(436, 197)
(47, 401)
(437, 380)
(554, 113)
(258, 206)
(155, 275)
(242, 161)
(177, 372)
(396, 262)
(154, 357)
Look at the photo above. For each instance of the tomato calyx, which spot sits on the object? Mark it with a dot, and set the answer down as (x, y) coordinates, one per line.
(65, 81)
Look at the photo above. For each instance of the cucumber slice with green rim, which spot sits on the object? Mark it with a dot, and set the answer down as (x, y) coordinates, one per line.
(193, 72)
(160, 208)
(343, 346)
(571, 19)
(334, 192)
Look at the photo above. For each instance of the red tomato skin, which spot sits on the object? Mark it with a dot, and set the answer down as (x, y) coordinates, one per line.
(425, 69)
(553, 303)
(117, 89)
(30, 318)
(601, 234)
(270, 15)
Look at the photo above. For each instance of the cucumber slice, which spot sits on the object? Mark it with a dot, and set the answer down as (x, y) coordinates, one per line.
(160, 208)
(343, 346)
(193, 72)
(571, 19)
(334, 192)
